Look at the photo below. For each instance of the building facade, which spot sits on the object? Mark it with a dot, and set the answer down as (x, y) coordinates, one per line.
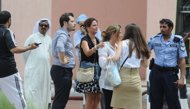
(145, 13)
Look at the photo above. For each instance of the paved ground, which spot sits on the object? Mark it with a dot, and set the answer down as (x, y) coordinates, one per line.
(74, 104)
(78, 104)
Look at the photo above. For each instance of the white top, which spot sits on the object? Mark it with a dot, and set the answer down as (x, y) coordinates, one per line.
(133, 61)
(106, 51)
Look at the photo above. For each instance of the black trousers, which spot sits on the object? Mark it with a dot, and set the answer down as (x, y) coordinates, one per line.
(107, 98)
(162, 84)
(62, 78)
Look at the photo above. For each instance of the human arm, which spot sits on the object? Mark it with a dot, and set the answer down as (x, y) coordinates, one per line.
(182, 66)
(89, 51)
(118, 52)
(144, 63)
(21, 49)
(182, 53)
(12, 45)
(103, 57)
(60, 46)
(63, 58)
(143, 68)
(185, 38)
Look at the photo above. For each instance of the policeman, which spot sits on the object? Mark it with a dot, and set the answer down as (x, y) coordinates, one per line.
(170, 55)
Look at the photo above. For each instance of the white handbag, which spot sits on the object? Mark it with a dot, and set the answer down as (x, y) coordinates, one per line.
(85, 74)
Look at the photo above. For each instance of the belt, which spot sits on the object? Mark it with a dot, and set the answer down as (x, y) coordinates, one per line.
(165, 68)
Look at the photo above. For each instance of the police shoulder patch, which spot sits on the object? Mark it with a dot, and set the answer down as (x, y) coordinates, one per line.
(182, 48)
(177, 38)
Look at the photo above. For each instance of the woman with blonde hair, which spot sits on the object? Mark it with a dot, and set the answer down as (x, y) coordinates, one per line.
(110, 37)
(133, 46)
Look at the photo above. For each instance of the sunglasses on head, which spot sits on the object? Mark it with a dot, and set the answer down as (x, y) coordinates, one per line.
(42, 24)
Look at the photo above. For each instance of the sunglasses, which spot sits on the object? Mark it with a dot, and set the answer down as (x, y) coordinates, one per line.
(45, 25)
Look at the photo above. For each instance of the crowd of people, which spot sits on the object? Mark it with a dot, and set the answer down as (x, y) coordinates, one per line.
(129, 50)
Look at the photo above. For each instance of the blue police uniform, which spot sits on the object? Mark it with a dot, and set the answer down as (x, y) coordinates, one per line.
(164, 72)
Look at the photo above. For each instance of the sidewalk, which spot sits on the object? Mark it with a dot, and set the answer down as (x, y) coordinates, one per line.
(76, 102)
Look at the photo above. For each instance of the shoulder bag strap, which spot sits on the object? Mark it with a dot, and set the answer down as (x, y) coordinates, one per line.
(124, 62)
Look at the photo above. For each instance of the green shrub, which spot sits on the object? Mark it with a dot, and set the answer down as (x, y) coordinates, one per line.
(4, 103)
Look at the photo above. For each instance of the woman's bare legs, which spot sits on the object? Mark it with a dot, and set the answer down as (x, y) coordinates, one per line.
(89, 100)
(96, 100)
(92, 100)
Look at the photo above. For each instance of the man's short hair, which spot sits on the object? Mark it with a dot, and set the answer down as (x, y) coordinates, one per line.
(65, 18)
(4, 17)
(168, 22)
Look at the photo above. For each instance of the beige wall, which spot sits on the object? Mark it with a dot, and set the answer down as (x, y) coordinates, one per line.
(158, 9)
(105, 11)
(25, 13)
(145, 13)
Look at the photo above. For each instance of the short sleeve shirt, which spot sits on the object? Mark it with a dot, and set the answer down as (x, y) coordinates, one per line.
(167, 53)
(7, 60)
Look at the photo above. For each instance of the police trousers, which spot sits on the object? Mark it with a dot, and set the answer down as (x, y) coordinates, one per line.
(162, 84)
(62, 79)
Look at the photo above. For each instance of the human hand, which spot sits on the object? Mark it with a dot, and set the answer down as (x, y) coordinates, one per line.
(112, 58)
(109, 58)
(65, 60)
(180, 83)
(33, 46)
(100, 45)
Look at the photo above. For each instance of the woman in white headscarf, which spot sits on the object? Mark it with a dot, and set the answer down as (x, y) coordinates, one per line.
(37, 78)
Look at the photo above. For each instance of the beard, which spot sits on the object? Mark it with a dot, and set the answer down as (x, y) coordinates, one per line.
(163, 33)
(71, 29)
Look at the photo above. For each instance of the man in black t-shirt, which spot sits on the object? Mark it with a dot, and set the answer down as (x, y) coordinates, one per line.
(10, 81)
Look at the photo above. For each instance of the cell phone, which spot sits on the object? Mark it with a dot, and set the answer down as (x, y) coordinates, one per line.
(37, 44)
